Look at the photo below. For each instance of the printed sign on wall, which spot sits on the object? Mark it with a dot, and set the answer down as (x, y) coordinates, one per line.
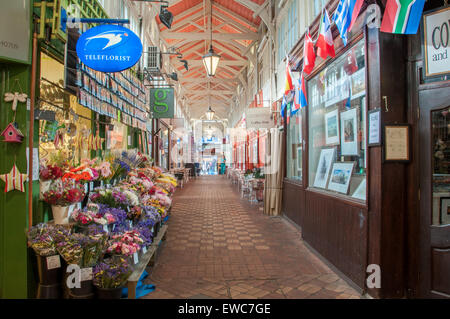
(15, 33)
(109, 48)
(161, 102)
(437, 42)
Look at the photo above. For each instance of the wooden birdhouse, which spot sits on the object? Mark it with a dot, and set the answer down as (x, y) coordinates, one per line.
(12, 134)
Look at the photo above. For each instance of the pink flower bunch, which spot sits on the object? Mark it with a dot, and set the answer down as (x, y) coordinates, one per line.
(122, 248)
(105, 169)
(131, 236)
(88, 215)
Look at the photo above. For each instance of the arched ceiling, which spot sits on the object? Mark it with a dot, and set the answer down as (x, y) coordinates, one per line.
(234, 30)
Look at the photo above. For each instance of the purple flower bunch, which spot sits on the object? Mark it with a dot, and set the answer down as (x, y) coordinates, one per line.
(118, 214)
(43, 238)
(121, 227)
(151, 212)
(112, 273)
(144, 227)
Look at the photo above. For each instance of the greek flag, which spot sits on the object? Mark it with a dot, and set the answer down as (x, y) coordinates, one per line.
(342, 18)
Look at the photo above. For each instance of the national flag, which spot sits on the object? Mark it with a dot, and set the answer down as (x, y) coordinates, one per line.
(402, 16)
(345, 16)
(309, 56)
(283, 106)
(288, 86)
(300, 94)
(325, 45)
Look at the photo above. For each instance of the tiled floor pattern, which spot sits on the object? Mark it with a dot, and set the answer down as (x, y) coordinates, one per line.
(220, 246)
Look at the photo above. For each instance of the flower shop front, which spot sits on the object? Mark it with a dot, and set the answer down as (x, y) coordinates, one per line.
(105, 232)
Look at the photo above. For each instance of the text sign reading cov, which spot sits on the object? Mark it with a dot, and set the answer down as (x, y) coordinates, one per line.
(161, 103)
(109, 48)
(437, 42)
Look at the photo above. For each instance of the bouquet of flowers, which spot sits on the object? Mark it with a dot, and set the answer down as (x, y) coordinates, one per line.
(83, 250)
(90, 214)
(104, 170)
(110, 197)
(82, 173)
(111, 273)
(50, 172)
(125, 244)
(144, 228)
(64, 193)
(43, 238)
(112, 214)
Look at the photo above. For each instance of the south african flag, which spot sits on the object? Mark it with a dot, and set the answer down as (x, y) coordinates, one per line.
(402, 16)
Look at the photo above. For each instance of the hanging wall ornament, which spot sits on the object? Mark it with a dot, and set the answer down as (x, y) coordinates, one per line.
(14, 180)
(12, 134)
(15, 98)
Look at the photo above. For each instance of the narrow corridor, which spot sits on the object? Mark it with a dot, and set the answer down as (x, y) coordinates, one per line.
(220, 246)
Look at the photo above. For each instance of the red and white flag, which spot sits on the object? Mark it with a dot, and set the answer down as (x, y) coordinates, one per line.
(309, 56)
(325, 45)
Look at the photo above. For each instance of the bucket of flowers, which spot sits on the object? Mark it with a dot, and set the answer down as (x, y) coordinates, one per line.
(85, 251)
(87, 216)
(62, 195)
(110, 276)
(42, 238)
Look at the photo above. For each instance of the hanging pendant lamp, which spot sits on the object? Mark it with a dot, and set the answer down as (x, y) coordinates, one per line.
(211, 59)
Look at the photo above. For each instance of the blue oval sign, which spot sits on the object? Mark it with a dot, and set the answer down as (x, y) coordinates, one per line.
(109, 48)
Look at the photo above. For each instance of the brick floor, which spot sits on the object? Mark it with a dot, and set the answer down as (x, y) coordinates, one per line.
(220, 246)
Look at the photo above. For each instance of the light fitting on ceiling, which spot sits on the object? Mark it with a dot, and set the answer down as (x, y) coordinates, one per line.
(211, 59)
(210, 114)
(166, 16)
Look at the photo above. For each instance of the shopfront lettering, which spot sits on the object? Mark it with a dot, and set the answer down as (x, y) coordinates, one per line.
(9, 45)
(104, 57)
(437, 41)
(101, 45)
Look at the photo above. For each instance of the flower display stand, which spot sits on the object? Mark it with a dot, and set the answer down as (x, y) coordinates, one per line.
(148, 259)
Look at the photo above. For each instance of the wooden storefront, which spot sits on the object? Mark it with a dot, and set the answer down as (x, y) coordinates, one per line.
(391, 227)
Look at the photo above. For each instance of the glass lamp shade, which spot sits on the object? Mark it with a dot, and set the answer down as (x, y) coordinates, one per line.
(210, 114)
(211, 61)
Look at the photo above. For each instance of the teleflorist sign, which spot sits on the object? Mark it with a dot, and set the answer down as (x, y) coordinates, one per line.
(109, 48)
(437, 42)
(161, 102)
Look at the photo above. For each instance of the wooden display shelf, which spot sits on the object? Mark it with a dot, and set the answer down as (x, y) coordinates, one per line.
(146, 259)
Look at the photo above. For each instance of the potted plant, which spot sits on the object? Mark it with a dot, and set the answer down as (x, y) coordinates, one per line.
(110, 276)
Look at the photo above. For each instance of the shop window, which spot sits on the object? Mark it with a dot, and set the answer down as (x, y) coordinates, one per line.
(337, 126)
(441, 166)
(294, 147)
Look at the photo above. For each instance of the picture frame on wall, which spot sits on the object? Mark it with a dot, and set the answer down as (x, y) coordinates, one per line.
(349, 132)
(299, 160)
(444, 213)
(396, 143)
(341, 174)
(358, 83)
(332, 128)
(323, 167)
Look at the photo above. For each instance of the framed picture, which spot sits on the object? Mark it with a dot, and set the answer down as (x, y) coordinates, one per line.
(360, 191)
(332, 128)
(299, 161)
(444, 214)
(323, 167)
(349, 132)
(396, 142)
(374, 127)
(358, 83)
(341, 175)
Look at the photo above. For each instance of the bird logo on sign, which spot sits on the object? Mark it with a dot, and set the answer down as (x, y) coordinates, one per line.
(113, 38)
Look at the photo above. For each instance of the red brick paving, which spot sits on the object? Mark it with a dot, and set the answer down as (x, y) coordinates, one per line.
(220, 246)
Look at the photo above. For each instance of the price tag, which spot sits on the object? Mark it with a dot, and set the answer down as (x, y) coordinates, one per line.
(86, 188)
(101, 183)
(53, 262)
(135, 258)
(105, 228)
(79, 205)
(131, 223)
(86, 274)
(144, 249)
(114, 226)
(91, 185)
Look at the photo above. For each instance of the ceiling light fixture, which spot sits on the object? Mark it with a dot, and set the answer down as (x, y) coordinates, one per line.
(211, 59)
